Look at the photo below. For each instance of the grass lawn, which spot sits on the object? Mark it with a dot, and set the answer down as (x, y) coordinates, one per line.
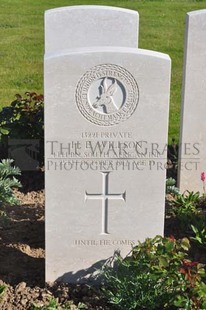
(162, 26)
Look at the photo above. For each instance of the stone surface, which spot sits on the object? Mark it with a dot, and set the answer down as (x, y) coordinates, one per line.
(193, 126)
(82, 26)
(25, 153)
(106, 131)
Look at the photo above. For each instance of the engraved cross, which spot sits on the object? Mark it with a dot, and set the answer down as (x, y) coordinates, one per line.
(105, 196)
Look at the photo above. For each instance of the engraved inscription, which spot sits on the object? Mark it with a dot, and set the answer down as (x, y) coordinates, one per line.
(105, 196)
(107, 95)
(103, 242)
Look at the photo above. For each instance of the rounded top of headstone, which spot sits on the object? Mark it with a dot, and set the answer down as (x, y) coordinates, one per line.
(90, 25)
(197, 12)
(95, 7)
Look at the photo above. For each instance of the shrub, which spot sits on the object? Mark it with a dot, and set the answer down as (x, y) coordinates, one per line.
(24, 118)
(186, 209)
(155, 275)
(8, 181)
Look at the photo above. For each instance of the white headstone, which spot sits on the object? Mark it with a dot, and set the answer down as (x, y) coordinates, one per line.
(90, 25)
(192, 155)
(106, 120)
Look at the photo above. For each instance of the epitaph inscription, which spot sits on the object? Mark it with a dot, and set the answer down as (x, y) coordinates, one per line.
(105, 196)
(107, 95)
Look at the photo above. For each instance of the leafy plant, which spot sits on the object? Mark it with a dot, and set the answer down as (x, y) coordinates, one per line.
(187, 199)
(171, 188)
(186, 203)
(24, 118)
(2, 290)
(155, 275)
(200, 234)
(81, 305)
(53, 305)
(186, 208)
(8, 181)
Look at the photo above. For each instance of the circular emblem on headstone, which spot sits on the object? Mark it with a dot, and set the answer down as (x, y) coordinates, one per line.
(107, 95)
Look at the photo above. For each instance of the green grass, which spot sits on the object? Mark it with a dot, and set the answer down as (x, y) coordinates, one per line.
(162, 26)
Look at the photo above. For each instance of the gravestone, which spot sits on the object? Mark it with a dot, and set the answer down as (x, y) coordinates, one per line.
(77, 27)
(106, 123)
(192, 157)
(25, 153)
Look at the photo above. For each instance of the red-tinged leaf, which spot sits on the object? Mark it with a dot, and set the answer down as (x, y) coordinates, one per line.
(182, 270)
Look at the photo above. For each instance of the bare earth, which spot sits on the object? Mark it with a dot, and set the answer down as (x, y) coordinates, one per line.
(22, 260)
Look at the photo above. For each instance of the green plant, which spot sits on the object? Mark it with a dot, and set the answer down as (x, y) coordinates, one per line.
(53, 305)
(186, 204)
(155, 275)
(24, 118)
(186, 209)
(200, 234)
(81, 305)
(8, 181)
(2, 290)
(187, 199)
(69, 305)
(171, 188)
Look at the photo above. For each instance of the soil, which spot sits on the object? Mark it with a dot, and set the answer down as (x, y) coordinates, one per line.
(22, 259)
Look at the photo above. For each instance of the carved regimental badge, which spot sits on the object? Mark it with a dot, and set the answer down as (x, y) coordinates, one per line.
(107, 95)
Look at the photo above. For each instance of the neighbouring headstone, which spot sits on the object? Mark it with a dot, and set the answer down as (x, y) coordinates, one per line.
(90, 25)
(192, 157)
(106, 123)
(25, 153)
